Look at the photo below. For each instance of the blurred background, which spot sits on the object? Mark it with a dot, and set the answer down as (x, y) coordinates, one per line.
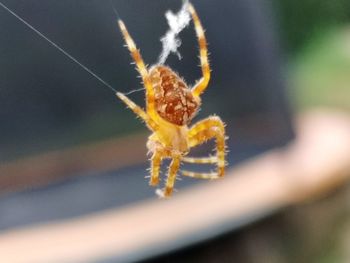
(69, 148)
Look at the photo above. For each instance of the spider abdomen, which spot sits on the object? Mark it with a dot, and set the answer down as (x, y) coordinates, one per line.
(173, 99)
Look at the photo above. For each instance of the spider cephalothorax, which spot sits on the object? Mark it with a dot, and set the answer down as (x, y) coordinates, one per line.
(170, 106)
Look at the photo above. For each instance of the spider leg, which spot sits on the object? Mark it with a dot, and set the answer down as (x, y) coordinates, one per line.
(202, 131)
(169, 186)
(156, 160)
(202, 84)
(138, 111)
(209, 176)
(141, 67)
(200, 160)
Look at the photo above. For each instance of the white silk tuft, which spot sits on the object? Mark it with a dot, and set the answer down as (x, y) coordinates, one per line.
(170, 41)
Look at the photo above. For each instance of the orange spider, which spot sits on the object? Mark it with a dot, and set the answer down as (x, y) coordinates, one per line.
(170, 106)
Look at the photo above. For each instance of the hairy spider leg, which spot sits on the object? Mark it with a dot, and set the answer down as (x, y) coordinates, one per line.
(211, 127)
(200, 160)
(141, 67)
(172, 172)
(156, 161)
(201, 85)
(138, 111)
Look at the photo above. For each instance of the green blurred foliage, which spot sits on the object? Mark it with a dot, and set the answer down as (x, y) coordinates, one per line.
(320, 73)
(300, 21)
(316, 36)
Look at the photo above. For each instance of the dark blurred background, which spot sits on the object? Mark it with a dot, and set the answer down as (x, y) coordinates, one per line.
(49, 102)
(257, 50)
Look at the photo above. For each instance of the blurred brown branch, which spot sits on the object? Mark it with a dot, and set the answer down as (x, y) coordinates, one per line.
(316, 163)
(53, 166)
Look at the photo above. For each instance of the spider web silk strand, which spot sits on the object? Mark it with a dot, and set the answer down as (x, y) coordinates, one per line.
(58, 47)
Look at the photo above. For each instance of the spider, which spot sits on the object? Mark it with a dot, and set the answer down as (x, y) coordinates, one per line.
(170, 107)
